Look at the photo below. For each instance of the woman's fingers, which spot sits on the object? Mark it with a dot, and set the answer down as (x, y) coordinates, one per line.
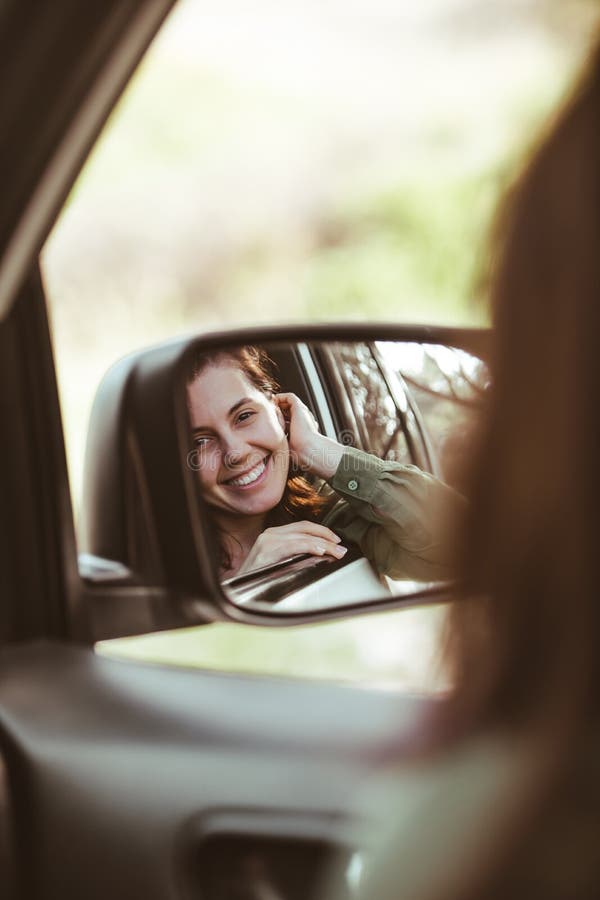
(286, 399)
(299, 537)
(282, 541)
(293, 405)
(329, 549)
(315, 546)
(308, 447)
(306, 527)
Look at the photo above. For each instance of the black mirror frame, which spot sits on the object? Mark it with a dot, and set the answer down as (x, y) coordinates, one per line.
(140, 420)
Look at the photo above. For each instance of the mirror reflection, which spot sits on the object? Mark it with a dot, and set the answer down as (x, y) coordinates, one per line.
(330, 470)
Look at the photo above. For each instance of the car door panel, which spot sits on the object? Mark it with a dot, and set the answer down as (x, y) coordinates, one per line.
(66, 64)
(120, 768)
(116, 776)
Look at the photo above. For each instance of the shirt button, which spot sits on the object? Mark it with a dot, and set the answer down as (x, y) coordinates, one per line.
(353, 485)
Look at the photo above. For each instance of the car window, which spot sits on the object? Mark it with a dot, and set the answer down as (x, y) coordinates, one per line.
(449, 387)
(267, 164)
(378, 419)
(397, 650)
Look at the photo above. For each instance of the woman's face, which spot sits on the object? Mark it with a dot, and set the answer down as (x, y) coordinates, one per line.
(242, 453)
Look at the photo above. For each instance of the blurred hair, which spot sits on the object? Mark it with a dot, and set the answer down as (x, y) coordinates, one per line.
(526, 632)
(300, 499)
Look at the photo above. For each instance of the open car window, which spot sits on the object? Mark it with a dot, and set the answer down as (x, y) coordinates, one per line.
(255, 171)
(449, 387)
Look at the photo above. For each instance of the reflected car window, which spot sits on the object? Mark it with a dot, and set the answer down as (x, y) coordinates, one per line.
(377, 418)
(449, 387)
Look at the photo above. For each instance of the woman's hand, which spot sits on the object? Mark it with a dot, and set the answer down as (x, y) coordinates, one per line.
(309, 449)
(283, 541)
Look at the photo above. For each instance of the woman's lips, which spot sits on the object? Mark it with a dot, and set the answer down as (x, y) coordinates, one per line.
(251, 478)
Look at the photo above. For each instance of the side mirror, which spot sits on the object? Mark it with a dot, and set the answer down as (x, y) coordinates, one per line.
(183, 477)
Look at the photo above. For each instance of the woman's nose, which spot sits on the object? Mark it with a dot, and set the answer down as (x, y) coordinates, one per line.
(235, 451)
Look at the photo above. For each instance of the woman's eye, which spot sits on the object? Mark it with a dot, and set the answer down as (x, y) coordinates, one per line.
(201, 441)
(247, 414)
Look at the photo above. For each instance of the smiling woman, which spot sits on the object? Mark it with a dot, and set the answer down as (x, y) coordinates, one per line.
(240, 441)
(242, 456)
(278, 488)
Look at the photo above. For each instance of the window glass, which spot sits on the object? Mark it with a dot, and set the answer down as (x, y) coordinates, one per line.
(267, 163)
(391, 651)
(270, 164)
(449, 386)
(376, 416)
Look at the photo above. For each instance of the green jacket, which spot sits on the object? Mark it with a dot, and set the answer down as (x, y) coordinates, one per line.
(398, 515)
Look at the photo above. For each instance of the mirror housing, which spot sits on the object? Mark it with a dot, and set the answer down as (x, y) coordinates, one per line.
(142, 518)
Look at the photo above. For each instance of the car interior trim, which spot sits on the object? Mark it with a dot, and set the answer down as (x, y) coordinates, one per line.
(319, 397)
(69, 154)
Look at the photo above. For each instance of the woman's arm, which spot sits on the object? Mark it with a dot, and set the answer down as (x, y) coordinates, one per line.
(400, 516)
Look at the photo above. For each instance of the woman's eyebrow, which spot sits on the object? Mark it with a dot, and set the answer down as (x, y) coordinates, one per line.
(239, 403)
(196, 428)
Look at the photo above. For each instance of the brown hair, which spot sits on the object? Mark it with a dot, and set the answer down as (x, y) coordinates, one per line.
(525, 630)
(529, 620)
(300, 498)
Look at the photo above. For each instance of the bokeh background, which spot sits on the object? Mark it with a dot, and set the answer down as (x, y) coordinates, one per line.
(289, 160)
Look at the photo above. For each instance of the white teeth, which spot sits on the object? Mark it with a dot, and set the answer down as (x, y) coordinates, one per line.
(249, 477)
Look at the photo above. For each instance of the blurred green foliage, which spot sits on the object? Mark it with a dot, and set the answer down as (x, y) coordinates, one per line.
(290, 164)
(414, 249)
(388, 650)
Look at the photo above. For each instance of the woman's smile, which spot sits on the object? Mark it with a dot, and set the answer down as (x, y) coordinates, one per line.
(241, 446)
(251, 478)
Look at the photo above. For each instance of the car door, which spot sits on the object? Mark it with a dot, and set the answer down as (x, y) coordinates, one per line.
(120, 778)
